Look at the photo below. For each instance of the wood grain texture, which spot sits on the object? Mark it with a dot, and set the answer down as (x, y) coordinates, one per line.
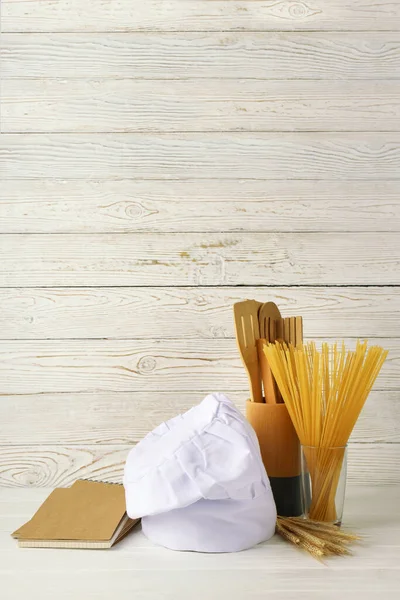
(57, 313)
(311, 55)
(199, 259)
(275, 569)
(128, 105)
(139, 550)
(40, 366)
(93, 206)
(161, 581)
(354, 156)
(56, 465)
(142, 553)
(184, 15)
(382, 531)
(102, 418)
(179, 583)
(205, 145)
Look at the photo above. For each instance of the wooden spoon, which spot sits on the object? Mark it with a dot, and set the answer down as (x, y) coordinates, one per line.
(268, 311)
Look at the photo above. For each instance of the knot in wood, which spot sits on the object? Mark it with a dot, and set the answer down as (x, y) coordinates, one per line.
(146, 364)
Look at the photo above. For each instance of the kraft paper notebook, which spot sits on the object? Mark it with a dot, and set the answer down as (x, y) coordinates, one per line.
(89, 514)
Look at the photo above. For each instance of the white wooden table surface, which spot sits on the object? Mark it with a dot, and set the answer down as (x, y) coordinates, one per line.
(136, 569)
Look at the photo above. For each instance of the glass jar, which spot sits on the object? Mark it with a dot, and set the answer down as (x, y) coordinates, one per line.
(323, 482)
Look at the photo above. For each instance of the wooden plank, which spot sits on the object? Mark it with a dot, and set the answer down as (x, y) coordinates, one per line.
(183, 15)
(129, 105)
(287, 583)
(318, 155)
(93, 206)
(146, 556)
(363, 506)
(39, 366)
(377, 535)
(18, 504)
(62, 313)
(311, 55)
(199, 259)
(56, 465)
(274, 567)
(126, 417)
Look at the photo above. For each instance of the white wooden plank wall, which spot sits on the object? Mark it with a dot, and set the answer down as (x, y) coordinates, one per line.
(162, 160)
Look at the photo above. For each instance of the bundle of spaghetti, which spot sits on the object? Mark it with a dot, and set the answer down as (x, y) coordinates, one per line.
(324, 392)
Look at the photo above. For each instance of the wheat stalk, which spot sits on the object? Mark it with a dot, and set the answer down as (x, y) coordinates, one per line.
(318, 539)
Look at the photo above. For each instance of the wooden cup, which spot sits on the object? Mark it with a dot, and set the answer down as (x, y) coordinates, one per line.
(280, 451)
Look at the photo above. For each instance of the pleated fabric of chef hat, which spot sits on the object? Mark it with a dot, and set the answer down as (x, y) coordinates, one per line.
(198, 481)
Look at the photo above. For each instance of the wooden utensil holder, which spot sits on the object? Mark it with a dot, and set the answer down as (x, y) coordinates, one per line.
(280, 451)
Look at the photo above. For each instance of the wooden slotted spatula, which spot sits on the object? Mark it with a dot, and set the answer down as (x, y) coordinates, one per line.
(247, 332)
(267, 316)
(299, 330)
(290, 329)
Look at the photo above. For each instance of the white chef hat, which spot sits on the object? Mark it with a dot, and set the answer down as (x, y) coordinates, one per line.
(199, 483)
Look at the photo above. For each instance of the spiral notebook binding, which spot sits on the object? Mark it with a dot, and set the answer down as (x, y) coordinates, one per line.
(98, 481)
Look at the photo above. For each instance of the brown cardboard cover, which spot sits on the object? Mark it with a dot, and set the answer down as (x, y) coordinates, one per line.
(88, 510)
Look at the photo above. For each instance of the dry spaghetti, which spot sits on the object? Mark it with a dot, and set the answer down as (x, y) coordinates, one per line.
(324, 391)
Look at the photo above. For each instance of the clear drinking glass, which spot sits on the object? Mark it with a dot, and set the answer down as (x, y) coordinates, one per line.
(323, 482)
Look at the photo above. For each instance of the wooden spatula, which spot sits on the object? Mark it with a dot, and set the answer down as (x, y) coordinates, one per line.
(247, 332)
(267, 316)
(290, 330)
(271, 392)
(299, 330)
